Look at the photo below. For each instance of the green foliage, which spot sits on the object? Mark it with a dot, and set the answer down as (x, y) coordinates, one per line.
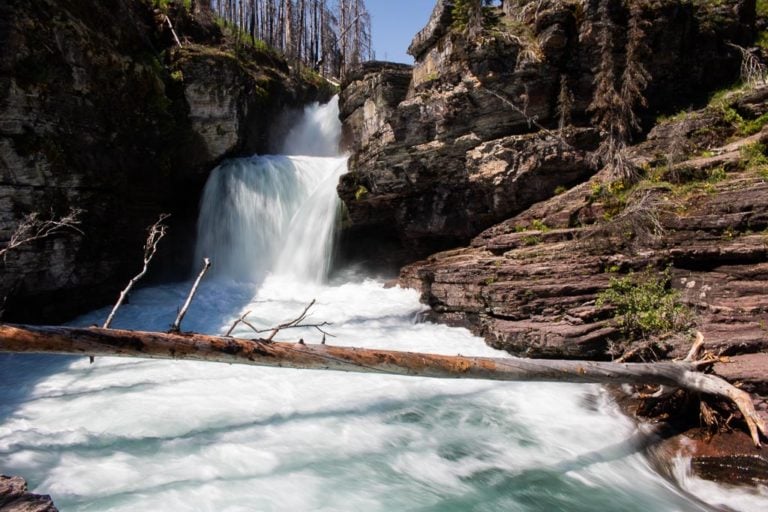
(612, 194)
(164, 4)
(560, 190)
(717, 175)
(761, 8)
(754, 126)
(753, 155)
(531, 240)
(462, 13)
(539, 226)
(465, 11)
(754, 158)
(722, 102)
(762, 39)
(361, 192)
(645, 304)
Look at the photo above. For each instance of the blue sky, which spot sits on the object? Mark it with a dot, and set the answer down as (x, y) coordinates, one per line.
(395, 22)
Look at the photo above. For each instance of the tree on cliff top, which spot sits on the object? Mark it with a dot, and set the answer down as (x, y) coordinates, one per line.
(327, 36)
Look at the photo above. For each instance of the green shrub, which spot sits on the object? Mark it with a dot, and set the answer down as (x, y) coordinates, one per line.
(753, 155)
(539, 225)
(645, 304)
(361, 192)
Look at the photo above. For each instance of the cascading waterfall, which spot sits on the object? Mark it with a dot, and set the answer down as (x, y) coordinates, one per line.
(276, 213)
(127, 435)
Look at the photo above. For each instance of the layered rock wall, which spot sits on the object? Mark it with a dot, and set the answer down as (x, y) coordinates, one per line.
(438, 162)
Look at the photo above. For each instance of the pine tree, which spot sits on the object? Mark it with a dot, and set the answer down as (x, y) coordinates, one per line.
(615, 101)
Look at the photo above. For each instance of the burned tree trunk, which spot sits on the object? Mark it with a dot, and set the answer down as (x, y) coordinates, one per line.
(199, 347)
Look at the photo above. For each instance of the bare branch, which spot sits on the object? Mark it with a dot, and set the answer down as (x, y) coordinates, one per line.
(176, 327)
(156, 232)
(296, 322)
(531, 120)
(753, 72)
(695, 352)
(32, 228)
(293, 324)
(239, 321)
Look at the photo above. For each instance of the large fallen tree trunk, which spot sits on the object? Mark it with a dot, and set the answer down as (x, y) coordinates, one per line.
(199, 347)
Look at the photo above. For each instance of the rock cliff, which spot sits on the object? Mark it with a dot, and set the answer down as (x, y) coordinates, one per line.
(101, 111)
(471, 150)
(454, 145)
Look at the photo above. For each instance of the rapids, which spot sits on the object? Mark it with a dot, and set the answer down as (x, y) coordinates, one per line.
(142, 435)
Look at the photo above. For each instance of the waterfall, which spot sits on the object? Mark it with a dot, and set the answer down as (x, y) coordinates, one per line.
(276, 213)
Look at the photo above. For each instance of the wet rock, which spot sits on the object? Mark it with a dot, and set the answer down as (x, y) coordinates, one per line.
(14, 497)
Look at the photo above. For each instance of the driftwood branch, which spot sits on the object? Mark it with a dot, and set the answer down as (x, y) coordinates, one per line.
(32, 228)
(198, 347)
(156, 232)
(176, 327)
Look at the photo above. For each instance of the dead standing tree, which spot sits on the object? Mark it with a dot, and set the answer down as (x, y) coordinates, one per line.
(199, 347)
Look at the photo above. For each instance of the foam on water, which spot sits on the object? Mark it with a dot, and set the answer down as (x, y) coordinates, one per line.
(126, 435)
(130, 435)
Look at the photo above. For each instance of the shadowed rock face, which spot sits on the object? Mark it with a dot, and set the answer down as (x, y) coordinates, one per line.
(100, 110)
(15, 498)
(437, 156)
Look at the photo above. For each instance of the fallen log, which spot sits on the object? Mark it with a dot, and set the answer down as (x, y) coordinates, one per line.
(200, 347)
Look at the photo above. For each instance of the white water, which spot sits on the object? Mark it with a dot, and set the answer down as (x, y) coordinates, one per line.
(139, 435)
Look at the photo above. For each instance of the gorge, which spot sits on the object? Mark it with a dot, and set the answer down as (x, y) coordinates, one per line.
(454, 153)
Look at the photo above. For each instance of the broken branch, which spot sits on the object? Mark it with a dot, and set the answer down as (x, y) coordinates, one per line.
(156, 232)
(176, 327)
